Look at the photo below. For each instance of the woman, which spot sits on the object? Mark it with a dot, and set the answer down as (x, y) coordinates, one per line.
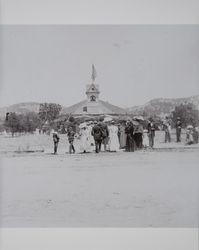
(129, 130)
(84, 138)
(189, 135)
(91, 139)
(151, 132)
(113, 137)
(122, 136)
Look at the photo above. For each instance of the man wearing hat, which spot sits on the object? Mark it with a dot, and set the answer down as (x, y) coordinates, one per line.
(151, 132)
(56, 141)
(105, 132)
(97, 134)
(178, 129)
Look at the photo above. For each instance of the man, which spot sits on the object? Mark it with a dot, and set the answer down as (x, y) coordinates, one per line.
(178, 129)
(105, 133)
(97, 134)
(71, 137)
(167, 129)
(151, 132)
(56, 141)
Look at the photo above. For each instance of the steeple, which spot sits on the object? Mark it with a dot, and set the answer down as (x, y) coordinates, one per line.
(92, 90)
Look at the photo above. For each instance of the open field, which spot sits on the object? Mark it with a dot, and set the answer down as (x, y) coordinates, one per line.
(152, 188)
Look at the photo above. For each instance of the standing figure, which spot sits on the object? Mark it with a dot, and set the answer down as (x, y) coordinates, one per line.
(195, 134)
(178, 129)
(167, 129)
(189, 135)
(145, 138)
(138, 136)
(105, 132)
(113, 137)
(84, 138)
(71, 136)
(91, 139)
(129, 137)
(97, 134)
(151, 133)
(122, 136)
(56, 141)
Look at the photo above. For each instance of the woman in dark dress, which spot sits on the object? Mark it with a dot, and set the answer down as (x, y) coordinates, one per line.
(129, 136)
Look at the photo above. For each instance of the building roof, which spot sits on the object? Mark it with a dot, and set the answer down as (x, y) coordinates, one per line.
(101, 107)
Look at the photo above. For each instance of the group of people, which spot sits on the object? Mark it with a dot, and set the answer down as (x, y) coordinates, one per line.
(128, 135)
(191, 132)
(167, 125)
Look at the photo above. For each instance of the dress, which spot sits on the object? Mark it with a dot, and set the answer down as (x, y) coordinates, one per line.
(84, 140)
(129, 138)
(90, 137)
(113, 138)
(145, 139)
(189, 136)
(122, 137)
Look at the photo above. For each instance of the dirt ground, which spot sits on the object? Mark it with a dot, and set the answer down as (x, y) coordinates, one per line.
(149, 188)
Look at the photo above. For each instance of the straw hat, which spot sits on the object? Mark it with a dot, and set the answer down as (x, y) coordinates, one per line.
(189, 127)
(83, 125)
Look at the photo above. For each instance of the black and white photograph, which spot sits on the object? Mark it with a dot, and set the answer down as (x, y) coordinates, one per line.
(99, 126)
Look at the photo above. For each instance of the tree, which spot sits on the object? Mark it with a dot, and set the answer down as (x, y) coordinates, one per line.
(49, 112)
(21, 122)
(12, 123)
(29, 122)
(188, 114)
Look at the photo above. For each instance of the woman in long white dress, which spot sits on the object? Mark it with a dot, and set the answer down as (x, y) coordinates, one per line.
(91, 138)
(145, 139)
(113, 138)
(84, 139)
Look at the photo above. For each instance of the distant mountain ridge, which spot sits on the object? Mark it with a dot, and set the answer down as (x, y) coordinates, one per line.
(21, 108)
(163, 106)
(158, 106)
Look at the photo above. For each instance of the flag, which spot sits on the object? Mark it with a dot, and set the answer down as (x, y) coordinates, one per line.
(94, 73)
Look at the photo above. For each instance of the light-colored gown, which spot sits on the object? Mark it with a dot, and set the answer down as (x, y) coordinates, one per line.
(84, 140)
(122, 137)
(113, 138)
(145, 138)
(91, 138)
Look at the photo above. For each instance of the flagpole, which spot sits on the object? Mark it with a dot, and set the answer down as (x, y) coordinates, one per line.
(93, 75)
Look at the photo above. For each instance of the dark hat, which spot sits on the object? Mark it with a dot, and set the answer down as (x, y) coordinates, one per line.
(101, 119)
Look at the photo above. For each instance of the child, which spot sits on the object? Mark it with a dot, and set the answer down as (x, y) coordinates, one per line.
(71, 136)
(189, 135)
(56, 141)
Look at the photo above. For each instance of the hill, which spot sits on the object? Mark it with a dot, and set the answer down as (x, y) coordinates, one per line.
(20, 108)
(162, 106)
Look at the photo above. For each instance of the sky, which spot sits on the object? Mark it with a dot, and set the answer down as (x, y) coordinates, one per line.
(134, 63)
